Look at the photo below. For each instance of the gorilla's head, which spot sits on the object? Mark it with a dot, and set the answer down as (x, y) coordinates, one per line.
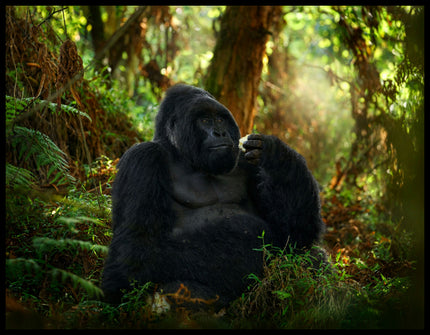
(200, 129)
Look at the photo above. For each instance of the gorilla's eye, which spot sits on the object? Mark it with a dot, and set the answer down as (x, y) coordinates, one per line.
(206, 121)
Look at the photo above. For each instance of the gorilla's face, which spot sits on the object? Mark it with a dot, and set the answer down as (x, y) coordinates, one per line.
(200, 128)
(218, 136)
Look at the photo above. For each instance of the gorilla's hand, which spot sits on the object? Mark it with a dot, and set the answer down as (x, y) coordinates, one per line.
(254, 148)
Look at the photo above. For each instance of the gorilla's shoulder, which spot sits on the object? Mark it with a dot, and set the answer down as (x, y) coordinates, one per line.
(145, 153)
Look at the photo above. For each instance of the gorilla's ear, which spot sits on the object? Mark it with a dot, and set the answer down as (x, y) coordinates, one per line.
(171, 132)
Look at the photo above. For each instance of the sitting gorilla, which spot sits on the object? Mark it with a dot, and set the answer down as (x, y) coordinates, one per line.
(189, 206)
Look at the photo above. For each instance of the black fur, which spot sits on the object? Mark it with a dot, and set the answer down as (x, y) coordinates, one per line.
(188, 207)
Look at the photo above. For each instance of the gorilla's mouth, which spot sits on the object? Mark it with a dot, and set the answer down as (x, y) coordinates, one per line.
(220, 146)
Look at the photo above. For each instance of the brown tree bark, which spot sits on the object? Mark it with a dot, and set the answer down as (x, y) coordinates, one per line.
(235, 70)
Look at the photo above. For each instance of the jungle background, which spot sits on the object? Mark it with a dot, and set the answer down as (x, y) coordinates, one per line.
(342, 85)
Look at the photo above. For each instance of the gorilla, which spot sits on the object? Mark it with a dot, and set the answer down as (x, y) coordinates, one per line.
(190, 207)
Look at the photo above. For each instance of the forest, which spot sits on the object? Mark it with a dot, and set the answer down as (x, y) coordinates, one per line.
(342, 85)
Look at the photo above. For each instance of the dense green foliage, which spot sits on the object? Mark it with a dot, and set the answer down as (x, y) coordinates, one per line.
(343, 85)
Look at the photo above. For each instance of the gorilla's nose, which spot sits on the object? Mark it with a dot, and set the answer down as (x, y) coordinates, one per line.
(219, 133)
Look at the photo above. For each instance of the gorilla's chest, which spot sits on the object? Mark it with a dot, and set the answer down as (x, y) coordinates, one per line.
(201, 200)
(196, 190)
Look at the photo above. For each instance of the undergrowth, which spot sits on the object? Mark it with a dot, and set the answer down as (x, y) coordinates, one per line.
(294, 292)
(55, 255)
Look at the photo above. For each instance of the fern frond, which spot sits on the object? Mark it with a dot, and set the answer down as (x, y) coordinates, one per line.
(15, 106)
(78, 219)
(19, 177)
(69, 109)
(89, 287)
(15, 264)
(15, 267)
(33, 143)
(48, 243)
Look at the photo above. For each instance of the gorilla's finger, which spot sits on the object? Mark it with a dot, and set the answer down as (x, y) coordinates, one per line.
(255, 137)
(253, 155)
(253, 144)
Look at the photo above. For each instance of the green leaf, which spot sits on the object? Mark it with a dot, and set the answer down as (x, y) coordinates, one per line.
(282, 294)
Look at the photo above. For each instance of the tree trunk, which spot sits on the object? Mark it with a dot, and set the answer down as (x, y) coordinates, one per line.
(235, 70)
(94, 17)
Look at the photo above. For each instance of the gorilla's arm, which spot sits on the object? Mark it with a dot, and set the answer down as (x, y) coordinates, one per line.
(141, 213)
(141, 204)
(287, 194)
